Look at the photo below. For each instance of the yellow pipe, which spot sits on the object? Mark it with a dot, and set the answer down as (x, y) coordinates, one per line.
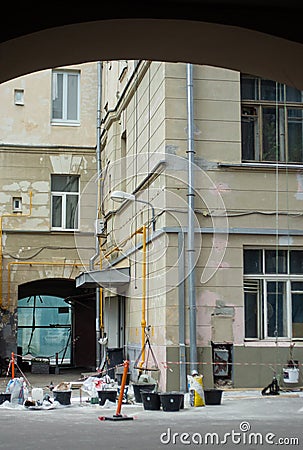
(33, 263)
(141, 230)
(1, 252)
(115, 249)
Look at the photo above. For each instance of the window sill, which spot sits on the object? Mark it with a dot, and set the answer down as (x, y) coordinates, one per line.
(65, 230)
(262, 165)
(282, 342)
(65, 123)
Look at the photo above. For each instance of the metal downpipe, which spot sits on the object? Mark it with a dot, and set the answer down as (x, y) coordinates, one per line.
(181, 302)
(99, 174)
(191, 218)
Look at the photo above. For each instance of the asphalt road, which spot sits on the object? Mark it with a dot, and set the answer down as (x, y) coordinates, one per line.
(241, 421)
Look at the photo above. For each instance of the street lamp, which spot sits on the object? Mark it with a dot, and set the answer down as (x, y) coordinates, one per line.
(120, 196)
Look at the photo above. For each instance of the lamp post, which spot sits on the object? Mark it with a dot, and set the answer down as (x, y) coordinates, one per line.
(120, 196)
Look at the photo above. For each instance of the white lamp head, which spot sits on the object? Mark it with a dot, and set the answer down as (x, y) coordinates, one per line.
(120, 196)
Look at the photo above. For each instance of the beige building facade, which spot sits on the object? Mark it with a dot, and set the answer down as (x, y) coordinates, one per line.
(48, 162)
(247, 219)
(55, 255)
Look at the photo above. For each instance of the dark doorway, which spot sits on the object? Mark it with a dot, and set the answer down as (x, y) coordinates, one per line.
(84, 342)
(78, 312)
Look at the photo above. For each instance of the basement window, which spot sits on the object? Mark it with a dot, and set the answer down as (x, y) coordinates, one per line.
(19, 97)
(17, 204)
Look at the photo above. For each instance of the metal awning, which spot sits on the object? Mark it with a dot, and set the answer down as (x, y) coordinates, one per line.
(107, 278)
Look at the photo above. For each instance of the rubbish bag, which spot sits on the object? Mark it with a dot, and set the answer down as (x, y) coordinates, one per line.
(18, 390)
(196, 391)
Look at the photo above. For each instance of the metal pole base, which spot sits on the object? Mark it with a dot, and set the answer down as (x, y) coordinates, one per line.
(115, 418)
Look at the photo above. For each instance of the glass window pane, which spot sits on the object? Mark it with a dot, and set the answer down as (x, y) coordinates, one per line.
(252, 261)
(72, 97)
(276, 309)
(64, 183)
(48, 329)
(295, 135)
(275, 261)
(56, 211)
(57, 96)
(249, 88)
(269, 90)
(251, 314)
(297, 286)
(293, 94)
(25, 317)
(270, 138)
(296, 261)
(297, 315)
(250, 132)
(72, 211)
(27, 301)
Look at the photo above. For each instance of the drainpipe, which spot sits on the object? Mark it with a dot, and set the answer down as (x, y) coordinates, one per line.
(191, 218)
(99, 187)
(181, 297)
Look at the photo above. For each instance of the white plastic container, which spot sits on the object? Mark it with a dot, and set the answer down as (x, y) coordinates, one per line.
(291, 375)
(37, 395)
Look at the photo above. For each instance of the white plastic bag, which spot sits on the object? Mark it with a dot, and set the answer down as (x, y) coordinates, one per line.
(16, 388)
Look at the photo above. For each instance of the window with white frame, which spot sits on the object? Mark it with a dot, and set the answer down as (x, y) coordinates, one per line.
(66, 97)
(65, 202)
(271, 121)
(273, 293)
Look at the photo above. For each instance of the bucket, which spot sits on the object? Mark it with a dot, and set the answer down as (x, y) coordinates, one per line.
(107, 394)
(213, 396)
(171, 401)
(37, 395)
(151, 400)
(63, 397)
(291, 375)
(5, 397)
(181, 399)
(138, 388)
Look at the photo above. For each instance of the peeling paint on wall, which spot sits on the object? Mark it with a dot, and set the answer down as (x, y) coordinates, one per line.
(224, 311)
(171, 149)
(10, 187)
(4, 198)
(41, 186)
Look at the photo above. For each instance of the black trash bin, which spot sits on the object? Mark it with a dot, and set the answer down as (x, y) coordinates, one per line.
(213, 396)
(107, 394)
(63, 397)
(139, 387)
(181, 398)
(5, 396)
(171, 401)
(151, 400)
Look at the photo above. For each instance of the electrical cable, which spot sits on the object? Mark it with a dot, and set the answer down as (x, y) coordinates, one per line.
(47, 247)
